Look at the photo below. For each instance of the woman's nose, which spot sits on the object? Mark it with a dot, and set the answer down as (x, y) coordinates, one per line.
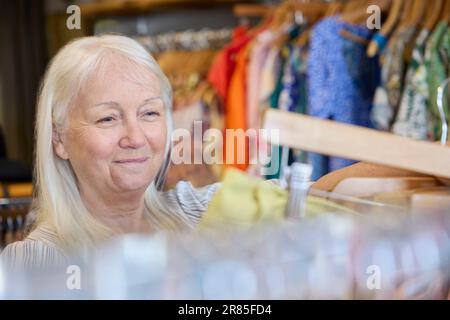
(133, 137)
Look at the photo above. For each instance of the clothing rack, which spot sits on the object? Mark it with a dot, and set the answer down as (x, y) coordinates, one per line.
(125, 7)
(259, 10)
(189, 40)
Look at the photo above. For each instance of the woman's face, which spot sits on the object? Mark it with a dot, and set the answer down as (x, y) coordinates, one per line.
(116, 134)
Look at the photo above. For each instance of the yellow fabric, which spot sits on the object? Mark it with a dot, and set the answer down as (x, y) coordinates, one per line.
(243, 200)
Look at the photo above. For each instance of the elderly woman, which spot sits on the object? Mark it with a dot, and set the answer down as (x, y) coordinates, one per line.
(103, 144)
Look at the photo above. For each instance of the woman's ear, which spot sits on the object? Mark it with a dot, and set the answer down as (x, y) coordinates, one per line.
(58, 145)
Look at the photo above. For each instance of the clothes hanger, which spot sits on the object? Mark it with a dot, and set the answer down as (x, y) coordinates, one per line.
(352, 142)
(356, 13)
(379, 40)
(417, 16)
(403, 21)
(405, 197)
(347, 198)
(366, 187)
(309, 10)
(446, 12)
(280, 15)
(407, 12)
(323, 11)
(334, 8)
(434, 12)
(361, 170)
(417, 12)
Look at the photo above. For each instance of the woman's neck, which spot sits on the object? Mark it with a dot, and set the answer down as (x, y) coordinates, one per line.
(123, 213)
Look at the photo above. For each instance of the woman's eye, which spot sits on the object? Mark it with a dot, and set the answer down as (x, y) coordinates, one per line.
(106, 120)
(151, 114)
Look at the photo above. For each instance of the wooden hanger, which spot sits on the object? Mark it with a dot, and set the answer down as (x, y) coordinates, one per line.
(315, 12)
(365, 187)
(362, 170)
(285, 14)
(334, 8)
(404, 198)
(446, 12)
(358, 143)
(312, 10)
(433, 14)
(415, 21)
(406, 14)
(356, 13)
(417, 12)
(388, 26)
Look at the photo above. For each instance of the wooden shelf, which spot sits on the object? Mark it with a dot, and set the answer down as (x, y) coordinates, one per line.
(259, 10)
(127, 7)
(252, 10)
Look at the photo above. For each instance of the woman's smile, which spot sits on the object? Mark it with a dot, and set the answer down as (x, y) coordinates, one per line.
(132, 160)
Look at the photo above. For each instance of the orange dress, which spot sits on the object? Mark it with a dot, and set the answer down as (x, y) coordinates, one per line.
(236, 153)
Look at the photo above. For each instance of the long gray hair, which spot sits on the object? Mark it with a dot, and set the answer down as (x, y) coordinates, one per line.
(57, 199)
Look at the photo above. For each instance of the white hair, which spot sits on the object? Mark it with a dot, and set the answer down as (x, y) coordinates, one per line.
(57, 199)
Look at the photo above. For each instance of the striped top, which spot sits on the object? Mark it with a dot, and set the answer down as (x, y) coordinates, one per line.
(40, 248)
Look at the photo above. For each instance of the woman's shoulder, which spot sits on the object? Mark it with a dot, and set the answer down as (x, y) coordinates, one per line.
(38, 250)
(190, 200)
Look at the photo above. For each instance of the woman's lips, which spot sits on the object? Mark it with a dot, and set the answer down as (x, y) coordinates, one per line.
(132, 160)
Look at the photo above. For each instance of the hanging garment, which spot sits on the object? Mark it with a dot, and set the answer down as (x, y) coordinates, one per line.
(235, 116)
(412, 118)
(293, 94)
(258, 60)
(437, 61)
(272, 100)
(387, 96)
(283, 65)
(258, 54)
(342, 81)
(270, 72)
(396, 69)
(224, 63)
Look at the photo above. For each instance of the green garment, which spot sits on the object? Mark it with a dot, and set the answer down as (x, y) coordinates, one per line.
(437, 57)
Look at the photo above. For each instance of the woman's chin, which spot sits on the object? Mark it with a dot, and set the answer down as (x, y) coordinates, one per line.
(133, 183)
